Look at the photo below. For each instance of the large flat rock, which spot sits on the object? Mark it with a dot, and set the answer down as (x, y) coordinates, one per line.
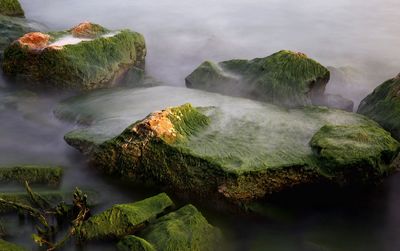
(231, 147)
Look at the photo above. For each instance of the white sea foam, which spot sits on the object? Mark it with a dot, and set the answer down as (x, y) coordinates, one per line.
(69, 39)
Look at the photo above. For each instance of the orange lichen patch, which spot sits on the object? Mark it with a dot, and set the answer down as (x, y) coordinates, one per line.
(83, 30)
(35, 40)
(158, 124)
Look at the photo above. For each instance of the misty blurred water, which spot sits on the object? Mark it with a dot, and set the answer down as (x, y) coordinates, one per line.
(182, 34)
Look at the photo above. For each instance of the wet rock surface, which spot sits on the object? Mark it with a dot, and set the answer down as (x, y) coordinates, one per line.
(237, 149)
(383, 106)
(85, 57)
(11, 8)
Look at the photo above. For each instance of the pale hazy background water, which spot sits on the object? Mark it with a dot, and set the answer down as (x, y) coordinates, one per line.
(182, 34)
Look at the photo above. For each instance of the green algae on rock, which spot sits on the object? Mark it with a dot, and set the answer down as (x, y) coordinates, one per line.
(123, 219)
(286, 78)
(357, 152)
(383, 106)
(85, 57)
(11, 28)
(236, 148)
(8, 246)
(52, 197)
(183, 230)
(134, 243)
(34, 174)
(11, 8)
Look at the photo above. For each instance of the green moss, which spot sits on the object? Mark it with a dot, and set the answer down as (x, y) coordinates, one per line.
(363, 151)
(235, 148)
(11, 28)
(383, 106)
(123, 219)
(83, 66)
(34, 174)
(54, 197)
(183, 230)
(285, 78)
(187, 120)
(134, 243)
(11, 8)
(7, 246)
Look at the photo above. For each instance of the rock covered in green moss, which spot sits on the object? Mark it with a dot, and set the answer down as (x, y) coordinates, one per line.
(134, 243)
(361, 152)
(34, 174)
(53, 197)
(8, 246)
(124, 219)
(11, 28)
(383, 106)
(183, 230)
(85, 57)
(285, 78)
(11, 8)
(232, 147)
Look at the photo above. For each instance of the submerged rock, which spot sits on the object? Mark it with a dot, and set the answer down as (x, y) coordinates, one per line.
(11, 8)
(53, 197)
(85, 57)
(183, 230)
(285, 78)
(335, 101)
(383, 106)
(124, 219)
(34, 174)
(8, 246)
(235, 148)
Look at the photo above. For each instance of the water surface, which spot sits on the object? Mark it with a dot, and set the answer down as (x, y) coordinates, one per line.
(182, 34)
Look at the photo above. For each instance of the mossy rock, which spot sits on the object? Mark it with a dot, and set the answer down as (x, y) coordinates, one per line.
(54, 197)
(11, 8)
(234, 148)
(355, 151)
(8, 246)
(34, 174)
(285, 78)
(134, 243)
(124, 219)
(183, 230)
(97, 58)
(383, 106)
(335, 101)
(12, 28)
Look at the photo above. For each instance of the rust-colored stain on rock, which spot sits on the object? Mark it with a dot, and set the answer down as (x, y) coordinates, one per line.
(35, 40)
(159, 124)
(83, 30)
